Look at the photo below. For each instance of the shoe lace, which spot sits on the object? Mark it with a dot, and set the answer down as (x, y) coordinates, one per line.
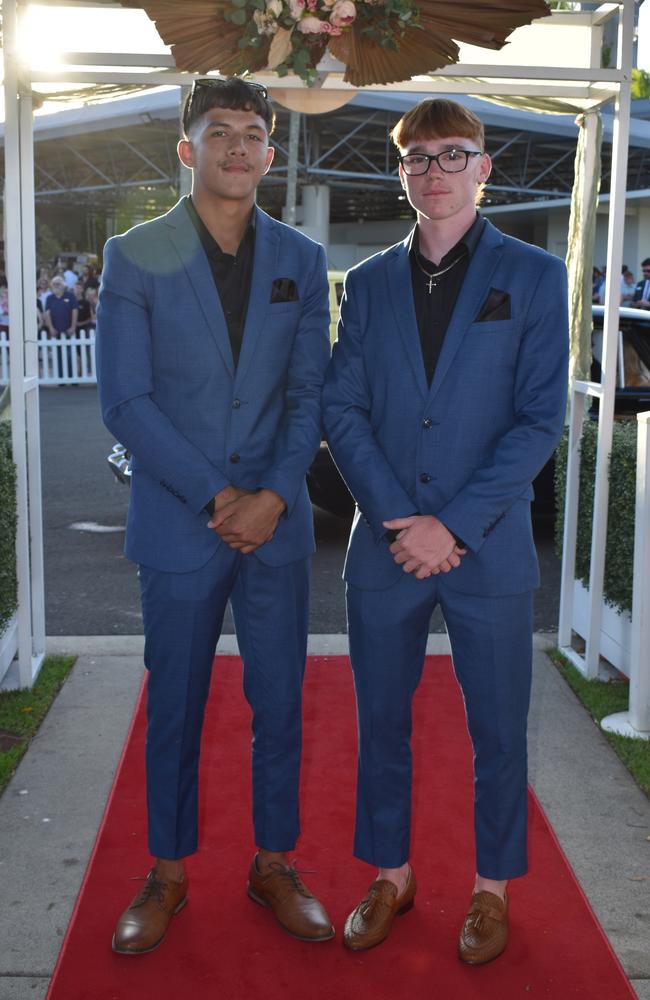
(153, 888)
(372, 901)
(291, 876)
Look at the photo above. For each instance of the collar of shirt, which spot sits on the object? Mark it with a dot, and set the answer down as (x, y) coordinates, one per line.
(210, 245)
(466, 244)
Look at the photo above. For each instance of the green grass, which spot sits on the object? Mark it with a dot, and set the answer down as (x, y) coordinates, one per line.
(21, 712)
(601, 699)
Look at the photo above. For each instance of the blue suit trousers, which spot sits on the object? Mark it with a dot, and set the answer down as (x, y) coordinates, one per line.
(183, 615)
(491, 642)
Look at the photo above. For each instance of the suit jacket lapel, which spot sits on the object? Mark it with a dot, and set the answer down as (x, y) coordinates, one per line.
(267, 245)
(401, 297)
(188, 246)
(474, 289)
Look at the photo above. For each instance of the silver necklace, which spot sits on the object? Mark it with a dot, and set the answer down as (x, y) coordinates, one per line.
(433, 275)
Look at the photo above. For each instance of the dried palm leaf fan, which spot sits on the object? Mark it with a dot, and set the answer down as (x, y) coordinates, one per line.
(432, 46)
(201, 38)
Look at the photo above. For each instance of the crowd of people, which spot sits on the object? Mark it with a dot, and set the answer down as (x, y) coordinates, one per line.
(66, 298)
(633, 293)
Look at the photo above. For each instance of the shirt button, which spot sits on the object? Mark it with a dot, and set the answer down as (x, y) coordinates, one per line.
(234, 458)
(427, 424)
(236, 403)
(425, 477)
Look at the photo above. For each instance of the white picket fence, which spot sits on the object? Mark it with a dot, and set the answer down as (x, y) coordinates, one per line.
(61, 360)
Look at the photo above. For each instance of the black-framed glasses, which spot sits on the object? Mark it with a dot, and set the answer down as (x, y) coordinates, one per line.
(451, 161)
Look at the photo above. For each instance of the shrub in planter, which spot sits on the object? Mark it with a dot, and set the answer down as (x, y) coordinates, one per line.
(8, 588)
(619, 551)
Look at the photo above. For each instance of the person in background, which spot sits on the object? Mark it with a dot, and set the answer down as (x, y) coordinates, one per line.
(61, 311)
(70, 276)
(641, 297)
(89, 278)
(84, 311)
(627, 287)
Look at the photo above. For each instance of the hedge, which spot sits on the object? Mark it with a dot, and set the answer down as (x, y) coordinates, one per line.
(619, 550)
(8, 586)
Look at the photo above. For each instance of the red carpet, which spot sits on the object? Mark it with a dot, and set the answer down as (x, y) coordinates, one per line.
(225, 947)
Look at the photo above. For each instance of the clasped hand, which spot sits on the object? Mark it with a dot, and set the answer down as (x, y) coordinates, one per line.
(246, 520)
(424, 546)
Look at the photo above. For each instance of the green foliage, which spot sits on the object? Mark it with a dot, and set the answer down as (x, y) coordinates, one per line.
(640, 86)
(21, 712)
(601, 699)
(8, 586)
(619, 552)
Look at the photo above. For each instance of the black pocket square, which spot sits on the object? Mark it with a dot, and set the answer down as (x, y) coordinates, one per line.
(284, 290)
(495, 307)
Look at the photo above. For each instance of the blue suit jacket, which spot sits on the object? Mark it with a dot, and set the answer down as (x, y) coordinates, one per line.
(170, 393)
(467, 448)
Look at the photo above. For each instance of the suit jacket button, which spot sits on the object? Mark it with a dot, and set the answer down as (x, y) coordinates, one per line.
(425, 477)
(236, 403)
(427, 424)
(234, 458)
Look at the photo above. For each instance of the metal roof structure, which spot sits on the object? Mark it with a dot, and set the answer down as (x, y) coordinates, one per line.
(93, 156)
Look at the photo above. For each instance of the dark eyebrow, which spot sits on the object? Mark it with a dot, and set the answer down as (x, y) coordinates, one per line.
(248, 128)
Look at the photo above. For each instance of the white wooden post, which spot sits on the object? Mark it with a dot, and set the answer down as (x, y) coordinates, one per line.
(589, 664)
(21, 275)
(636, 721)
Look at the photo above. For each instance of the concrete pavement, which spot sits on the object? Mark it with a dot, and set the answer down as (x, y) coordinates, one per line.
(50, 812)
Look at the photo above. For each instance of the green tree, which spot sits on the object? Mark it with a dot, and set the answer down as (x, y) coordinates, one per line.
(640, 84)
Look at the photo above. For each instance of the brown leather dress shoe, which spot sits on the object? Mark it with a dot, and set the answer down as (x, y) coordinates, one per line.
(293, 905)
(372, 920)
(485, 931)
(144, 923)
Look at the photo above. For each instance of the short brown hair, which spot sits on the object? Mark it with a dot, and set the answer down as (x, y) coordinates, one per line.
(437, 118)
(231, 92)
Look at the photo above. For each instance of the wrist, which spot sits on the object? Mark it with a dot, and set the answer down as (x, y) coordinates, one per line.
(274, 499)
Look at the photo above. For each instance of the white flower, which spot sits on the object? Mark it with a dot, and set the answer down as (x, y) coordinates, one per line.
(274, 7)
(311, 26)
(343, 13)
(266, 23)
(296, 8)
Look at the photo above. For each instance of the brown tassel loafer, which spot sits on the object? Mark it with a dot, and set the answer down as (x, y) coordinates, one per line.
(144, 923)
(485, 931)
(372, 920)
(295, 908)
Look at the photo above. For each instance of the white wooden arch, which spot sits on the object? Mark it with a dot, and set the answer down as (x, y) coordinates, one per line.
(570, 40)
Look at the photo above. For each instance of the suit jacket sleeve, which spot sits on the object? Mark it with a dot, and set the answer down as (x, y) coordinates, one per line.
(539, 405)
(300, 430)
(125, 379)
(347, 417)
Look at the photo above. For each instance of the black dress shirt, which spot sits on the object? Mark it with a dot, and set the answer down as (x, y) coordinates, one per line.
(232, 275)
(433, 309)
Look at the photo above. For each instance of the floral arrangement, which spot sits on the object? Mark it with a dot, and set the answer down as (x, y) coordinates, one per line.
(299, 31)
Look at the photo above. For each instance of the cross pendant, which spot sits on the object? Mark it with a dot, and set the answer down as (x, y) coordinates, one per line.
(432, 284)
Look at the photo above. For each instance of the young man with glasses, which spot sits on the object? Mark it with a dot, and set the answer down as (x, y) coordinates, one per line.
(444, 398)
(212, 344)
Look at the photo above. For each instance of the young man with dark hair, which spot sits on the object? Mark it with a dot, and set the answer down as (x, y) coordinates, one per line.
(212, 343)
(444, 398)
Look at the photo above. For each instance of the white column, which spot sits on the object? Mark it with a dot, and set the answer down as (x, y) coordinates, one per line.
(620, 141)
(21, 274)
(316, 212)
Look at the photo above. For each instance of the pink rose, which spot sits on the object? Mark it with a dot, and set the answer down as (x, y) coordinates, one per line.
(343, 13)
(311, 5)
(310, 25)
(330, 29)
(296, 8)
